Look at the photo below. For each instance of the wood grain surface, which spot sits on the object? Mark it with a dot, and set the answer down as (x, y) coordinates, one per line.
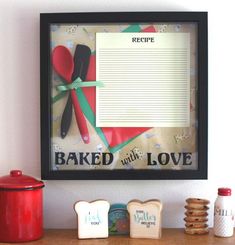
(169, 237)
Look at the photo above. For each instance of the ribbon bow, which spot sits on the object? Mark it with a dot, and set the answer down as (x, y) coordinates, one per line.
(78, 83)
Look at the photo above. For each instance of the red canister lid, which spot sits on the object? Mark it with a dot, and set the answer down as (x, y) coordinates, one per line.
(224, 191)
(18, 181)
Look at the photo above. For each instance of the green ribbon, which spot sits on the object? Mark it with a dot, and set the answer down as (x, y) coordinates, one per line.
(78, 83)
(58, 97)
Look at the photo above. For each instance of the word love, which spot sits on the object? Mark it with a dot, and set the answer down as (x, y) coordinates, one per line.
(164, 158)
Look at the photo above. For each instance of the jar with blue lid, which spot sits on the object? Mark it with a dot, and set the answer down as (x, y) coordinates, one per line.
(119, 223)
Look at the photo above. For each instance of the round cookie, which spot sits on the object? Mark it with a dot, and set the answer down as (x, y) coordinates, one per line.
(196, 225)
(196, 231)
(195, 212)
(193, 206)
(196, 219)
(198, 201)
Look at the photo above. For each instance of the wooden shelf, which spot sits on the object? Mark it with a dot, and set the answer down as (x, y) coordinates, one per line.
(169, 237)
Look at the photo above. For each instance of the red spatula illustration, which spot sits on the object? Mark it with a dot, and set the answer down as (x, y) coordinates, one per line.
(63, 64)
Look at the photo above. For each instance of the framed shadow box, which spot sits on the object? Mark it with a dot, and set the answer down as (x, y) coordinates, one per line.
(124, 95)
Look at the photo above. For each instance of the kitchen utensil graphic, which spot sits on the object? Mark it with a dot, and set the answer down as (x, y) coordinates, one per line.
(81, 64)
(66, 118)
(114, 138)
(63, 64)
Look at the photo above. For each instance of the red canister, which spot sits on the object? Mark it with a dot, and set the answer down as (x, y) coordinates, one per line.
(20, 208)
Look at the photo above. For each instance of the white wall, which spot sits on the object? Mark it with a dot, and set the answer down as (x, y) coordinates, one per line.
(20, 121)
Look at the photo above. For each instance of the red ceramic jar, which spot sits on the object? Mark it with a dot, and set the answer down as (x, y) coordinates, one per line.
(20, 208)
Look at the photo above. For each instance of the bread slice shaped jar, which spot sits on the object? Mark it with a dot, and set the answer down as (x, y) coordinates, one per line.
(92, 219)
(145, 218)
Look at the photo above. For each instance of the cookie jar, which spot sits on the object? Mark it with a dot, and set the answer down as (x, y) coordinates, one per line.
(20, 208)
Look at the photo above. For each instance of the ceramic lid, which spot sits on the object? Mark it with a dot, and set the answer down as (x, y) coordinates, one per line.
(224, 191)
(18, 181)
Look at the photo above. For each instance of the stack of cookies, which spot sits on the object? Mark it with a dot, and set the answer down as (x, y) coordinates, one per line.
(196, 216)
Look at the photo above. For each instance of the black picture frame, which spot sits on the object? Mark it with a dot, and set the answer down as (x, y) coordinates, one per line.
(46, 19)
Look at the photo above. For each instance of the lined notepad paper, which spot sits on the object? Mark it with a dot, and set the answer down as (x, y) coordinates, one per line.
(146, 79)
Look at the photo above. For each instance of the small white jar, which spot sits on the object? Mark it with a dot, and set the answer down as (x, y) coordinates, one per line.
(224, 213)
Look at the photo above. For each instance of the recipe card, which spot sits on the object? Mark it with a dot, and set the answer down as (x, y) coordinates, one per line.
(146, 79)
